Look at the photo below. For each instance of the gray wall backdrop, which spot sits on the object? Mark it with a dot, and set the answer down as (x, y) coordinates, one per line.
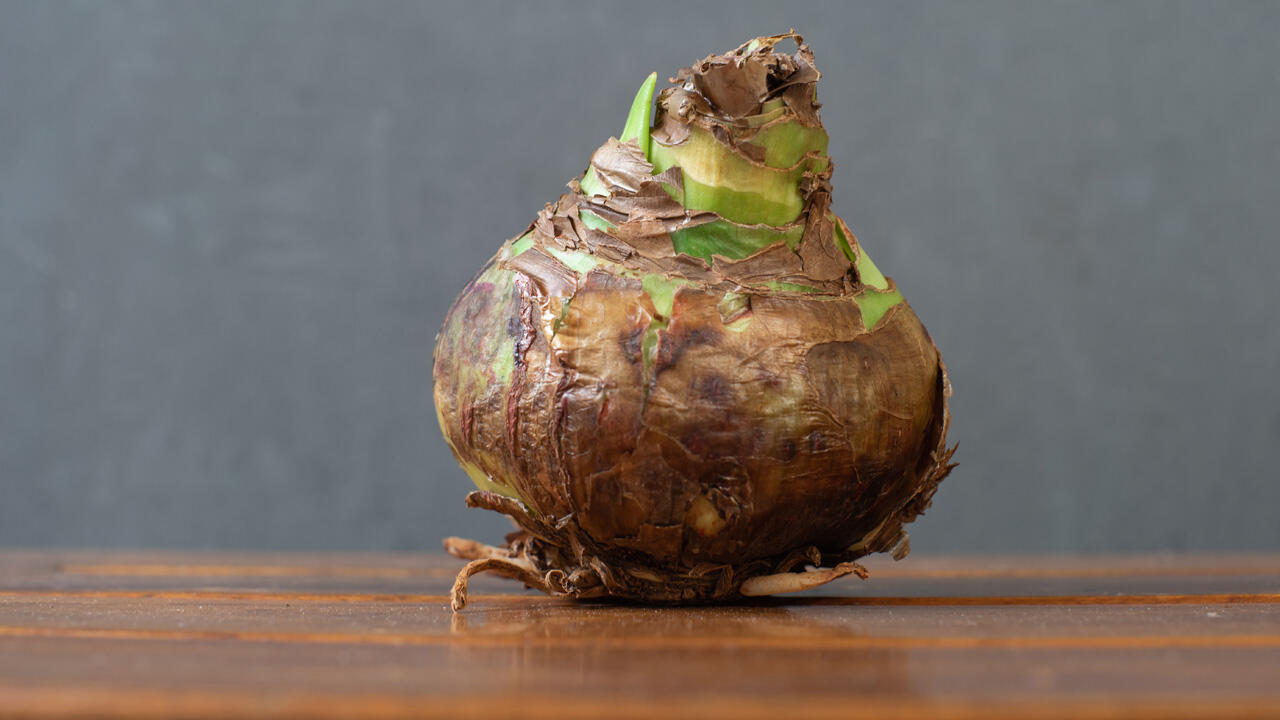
(229, 232)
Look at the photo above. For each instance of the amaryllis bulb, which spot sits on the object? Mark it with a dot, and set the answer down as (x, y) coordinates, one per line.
(685, 380)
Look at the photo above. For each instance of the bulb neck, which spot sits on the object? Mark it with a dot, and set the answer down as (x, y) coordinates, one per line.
(744, 128)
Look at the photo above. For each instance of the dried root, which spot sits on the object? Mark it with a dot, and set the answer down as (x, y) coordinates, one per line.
(577, 573)
(491, 560)
(787, 582)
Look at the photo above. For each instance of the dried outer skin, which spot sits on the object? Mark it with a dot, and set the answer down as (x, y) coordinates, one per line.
(662, 427)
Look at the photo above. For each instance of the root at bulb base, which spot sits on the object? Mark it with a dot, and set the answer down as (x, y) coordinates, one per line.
(554, 570)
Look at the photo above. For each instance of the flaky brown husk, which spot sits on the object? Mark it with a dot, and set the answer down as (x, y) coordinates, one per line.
(705, 452)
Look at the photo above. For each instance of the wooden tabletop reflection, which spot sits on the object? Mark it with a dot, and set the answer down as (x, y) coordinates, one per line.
(154, 634)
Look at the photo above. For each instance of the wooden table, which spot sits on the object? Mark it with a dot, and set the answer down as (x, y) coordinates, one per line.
(116, 634)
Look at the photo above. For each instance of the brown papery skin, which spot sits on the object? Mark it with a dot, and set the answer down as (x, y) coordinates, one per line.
(762, 430)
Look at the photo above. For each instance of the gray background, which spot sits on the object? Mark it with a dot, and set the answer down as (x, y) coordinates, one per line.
(229, 232)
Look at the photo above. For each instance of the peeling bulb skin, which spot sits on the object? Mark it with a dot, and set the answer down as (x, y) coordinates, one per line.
(684, 396)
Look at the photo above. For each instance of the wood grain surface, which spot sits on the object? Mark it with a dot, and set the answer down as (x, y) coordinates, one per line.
(183, 635)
